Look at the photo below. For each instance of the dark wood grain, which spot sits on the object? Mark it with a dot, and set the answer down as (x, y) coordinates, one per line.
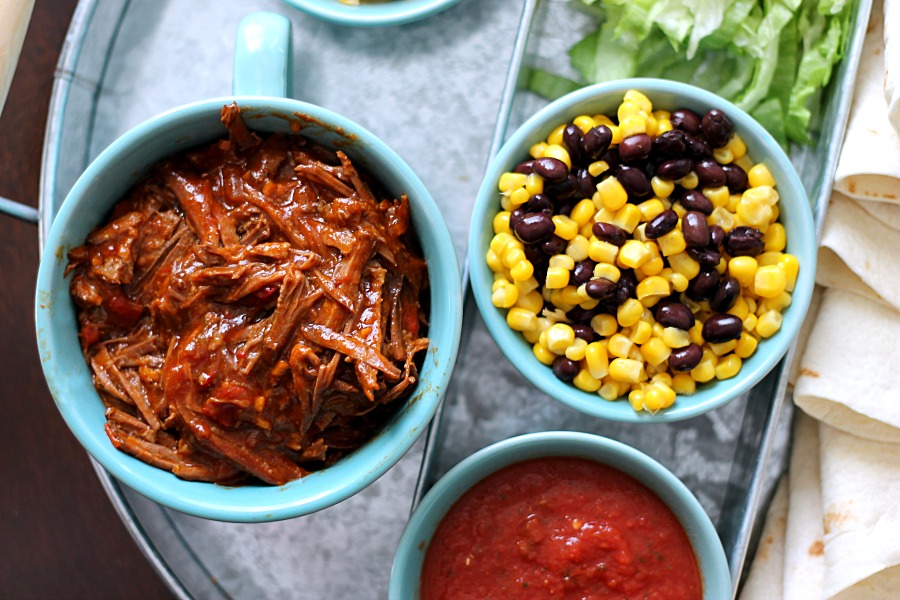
(59, 535)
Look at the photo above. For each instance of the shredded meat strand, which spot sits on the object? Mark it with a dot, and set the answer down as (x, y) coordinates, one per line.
(251, 311)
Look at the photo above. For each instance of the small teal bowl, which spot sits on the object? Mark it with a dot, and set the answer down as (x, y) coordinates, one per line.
(604, 98)
(377, 14)
(413, 545)
(120, 166)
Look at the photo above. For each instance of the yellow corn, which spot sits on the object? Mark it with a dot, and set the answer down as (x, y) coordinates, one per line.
(602, 252)
(769, 281)
(723, 348)
(501, 240)
(759, 174)
(510, 181)
(678, 281)
(522, 271)
(633, 125)
(512, 256)
(643, 102)
(633, 254)
(598, 167)
(767, 259)
(769, 323)
(717, 195)
(537, 150)
(743, 268)
(641, 332)
(791, 267)
(584, 122)
(556, 136)
(658, 396)
(566, 228)
(530, 301)
(723, 155)
(753, 212)
(501, 222)
(557, 278)
(578, 248)
(559, 337)
(650, 208)
(518, 197)
(626, 370)
(619, 345)
(704, 372)
(636, 399)
(520, 319)
(559, 152)
(652, 289)
(675, 338)
(543, 354)
(494, 261)
(611, 193)
(607, 271)
(655, 351)
(504, 295)
(750, 321)
(663, 188)
(779, 302)
(596, 358)
(684, 384)
(576, 350)
(609, 390)
(684, 264)
(604, 324)
(775, 238)
(737, 146)
(629, 312)
(728, 367)
(722, 217)
(689, 181)
(583, 212)
(586, 382)
(746, 345)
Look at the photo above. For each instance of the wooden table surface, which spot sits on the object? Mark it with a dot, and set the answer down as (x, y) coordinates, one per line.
(59, 534)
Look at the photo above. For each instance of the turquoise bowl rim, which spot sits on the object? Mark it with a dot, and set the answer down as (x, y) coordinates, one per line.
(68, 376)
(394, 12)
(796, 216)
(410, 554)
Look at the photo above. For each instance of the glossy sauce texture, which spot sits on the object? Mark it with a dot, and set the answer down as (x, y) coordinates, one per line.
(560, 528)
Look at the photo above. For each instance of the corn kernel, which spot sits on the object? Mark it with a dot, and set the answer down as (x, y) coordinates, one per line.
(740, 309)
(501, 222)
(501, 240)
(628, 217)
(494, 261)
(636, 399)
(583, 212)
(559, 152)
(607, 271)
(530, 301)
(722, 217)
(791, 267)
(596, 357)
(576, 350)
(743, 268)
(510, 181)
(612, 195)
(556, 136)
(746, 345)
(723, 348)
(543, 354)
(703, 372)
(695, 333)
(684, 264)
(602, 252)
(675, 338)
(633, 125)
(537, 150)
(559, 337)
(586, 382)
(723, 155)
(689, 181)
(504, 295)
(528, 285)
(566, 228)
(619, 345)
(655, 351)
(672, 242)
(737, 146)
(609, 390)
(522, 271)
(505, 204)
(663, 188)
(769, 281)
(678, 281)
(520, 319)
(584, 122)
(751, 211)
(563, 261)
(633, 254)
(653, 400)
(626, 370)
(769, 323)
(577, 248)
(728, 367)
(557, 278)
(684, 384)
(641, 332)
(629, 312)
(717, 195)
(570, 295)
(643, 102)
(759, 174)
(652, 124)
(652, 289)
(598, 167)
(775, 238)
(779, 302)
(604, 324)
(767, 259)
(750, 321)
(650, 208)
(518, 197)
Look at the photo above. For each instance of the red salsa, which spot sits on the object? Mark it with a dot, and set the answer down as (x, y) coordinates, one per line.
(560, 528)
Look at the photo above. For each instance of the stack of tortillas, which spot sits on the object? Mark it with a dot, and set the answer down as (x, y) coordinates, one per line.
(833, 528)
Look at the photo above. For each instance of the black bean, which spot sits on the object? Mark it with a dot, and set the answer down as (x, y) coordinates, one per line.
(695, 229)
(551, 169)
(707, 257)
(685, 120)
(608, 232)
(726, 295)
(564, 189)
(596, 141)
(526, 167)
(565, 369)
(696, 147)
(584, 332)
(634, 181)
(716, 236)
(536, 256)
(635, 147)
(554, 245)
(704, 285)
(583, 271)
(744, 241)
(716, 127)
(579, 315)
(564, 207)
(626, 287)
(572, 142)
(661, 224)
(538, 203)
(674, 314)
(601, 288)
(709, 173)
(675, 168)
(735, 178)
(685, 359)
(534, 227)
(697, 200)
(515, 217)
(722, 327)
(586, 184)
(670, 144)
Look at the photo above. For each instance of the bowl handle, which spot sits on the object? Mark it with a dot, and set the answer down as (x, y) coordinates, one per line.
(262, 56)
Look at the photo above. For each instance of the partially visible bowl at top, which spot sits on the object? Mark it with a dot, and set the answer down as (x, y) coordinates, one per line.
(533, 527)
(794, 214)
(372, 13)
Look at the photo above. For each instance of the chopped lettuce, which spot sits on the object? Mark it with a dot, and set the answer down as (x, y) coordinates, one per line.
(770, 57)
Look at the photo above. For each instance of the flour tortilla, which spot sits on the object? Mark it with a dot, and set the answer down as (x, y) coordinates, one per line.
(765, 581)
(869, 165)
(865, 245)
(805, 329)
(861, 507)
(892, 59)
(14, 18)
(804, 560)
(848, 372)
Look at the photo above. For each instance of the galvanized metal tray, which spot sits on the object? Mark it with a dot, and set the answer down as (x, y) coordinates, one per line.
(443, 92)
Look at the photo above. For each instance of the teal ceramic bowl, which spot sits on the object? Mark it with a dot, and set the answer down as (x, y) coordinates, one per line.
(796, 217)
(381, 13)
(104, 183)
(413, 545)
